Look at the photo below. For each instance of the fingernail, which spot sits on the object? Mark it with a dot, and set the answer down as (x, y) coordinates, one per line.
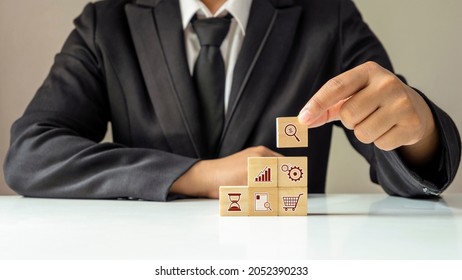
(305, 116)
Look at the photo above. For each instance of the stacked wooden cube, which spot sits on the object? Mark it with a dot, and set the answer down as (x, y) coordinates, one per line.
(277, 186)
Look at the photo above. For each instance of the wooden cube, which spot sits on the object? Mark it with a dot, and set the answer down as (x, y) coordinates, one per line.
(292, 172)
(291, 133)
(263, 201)
(234, 201)
(262, 172)
(293, 201)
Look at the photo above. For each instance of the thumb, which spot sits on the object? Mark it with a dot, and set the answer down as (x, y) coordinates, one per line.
(330, 115)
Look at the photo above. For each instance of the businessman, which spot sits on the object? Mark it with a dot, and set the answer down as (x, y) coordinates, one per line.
(192, 88)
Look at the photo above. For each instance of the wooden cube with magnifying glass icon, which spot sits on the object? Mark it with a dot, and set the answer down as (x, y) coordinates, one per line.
(290, 133)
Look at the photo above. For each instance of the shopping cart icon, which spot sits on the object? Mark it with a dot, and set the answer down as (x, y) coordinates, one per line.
(291, 202)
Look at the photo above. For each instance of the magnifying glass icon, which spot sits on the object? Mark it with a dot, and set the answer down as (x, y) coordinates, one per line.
(268, 206)
(291, 130)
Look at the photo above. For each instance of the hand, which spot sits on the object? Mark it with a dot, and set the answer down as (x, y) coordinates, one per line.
(379, 108)
(205, 177)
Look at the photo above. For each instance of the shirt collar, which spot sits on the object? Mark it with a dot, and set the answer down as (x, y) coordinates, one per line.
(239, 9)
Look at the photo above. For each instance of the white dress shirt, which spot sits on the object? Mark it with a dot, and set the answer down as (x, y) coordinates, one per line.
(230, 47)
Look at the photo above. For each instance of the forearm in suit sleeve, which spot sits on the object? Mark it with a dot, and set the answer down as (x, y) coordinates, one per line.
(55, 149)
(357, 44)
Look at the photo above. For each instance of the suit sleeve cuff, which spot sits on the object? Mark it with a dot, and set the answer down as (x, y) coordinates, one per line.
(398, 179)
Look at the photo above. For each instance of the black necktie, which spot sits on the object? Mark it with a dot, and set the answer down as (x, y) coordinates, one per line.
(209, 77)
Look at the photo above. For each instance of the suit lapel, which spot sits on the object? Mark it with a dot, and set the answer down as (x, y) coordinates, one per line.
(269, 36)
(158, 37)
(156, 29)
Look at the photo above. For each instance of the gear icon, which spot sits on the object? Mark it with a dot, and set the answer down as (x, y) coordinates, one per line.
(295, 173)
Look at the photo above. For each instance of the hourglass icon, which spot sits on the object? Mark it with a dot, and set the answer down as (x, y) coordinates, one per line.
(234, 198)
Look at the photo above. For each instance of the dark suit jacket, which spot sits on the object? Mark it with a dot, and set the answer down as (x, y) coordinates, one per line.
(125, 63)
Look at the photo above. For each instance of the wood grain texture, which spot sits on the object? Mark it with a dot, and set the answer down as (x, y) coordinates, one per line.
(292, 172)
(263, 201)
(293, 201)
(234, 201)
(290, 133)
(262, 172)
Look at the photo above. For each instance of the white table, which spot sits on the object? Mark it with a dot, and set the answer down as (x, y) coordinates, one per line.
(362, 226)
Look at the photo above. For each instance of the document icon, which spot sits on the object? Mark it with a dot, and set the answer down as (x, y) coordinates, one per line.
(262, 202)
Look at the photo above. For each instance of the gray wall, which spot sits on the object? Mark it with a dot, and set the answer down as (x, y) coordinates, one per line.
(422, 37)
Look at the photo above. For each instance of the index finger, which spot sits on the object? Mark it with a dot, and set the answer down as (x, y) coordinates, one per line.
(335, 90)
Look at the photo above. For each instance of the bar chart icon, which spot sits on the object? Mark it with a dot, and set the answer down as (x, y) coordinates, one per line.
(264, 175)
(262, 171)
